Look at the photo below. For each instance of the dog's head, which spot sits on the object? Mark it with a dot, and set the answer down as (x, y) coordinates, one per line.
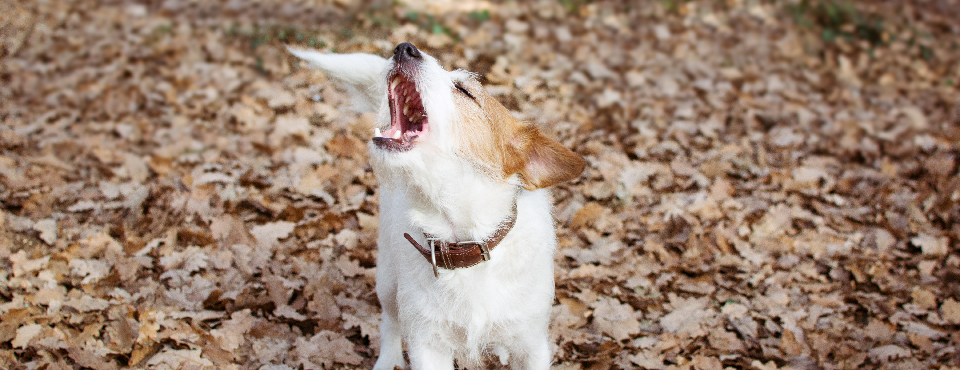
(432, 119)
(440, 112)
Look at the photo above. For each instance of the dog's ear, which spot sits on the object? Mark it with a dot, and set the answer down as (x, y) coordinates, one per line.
(544, 162)
(362, 74)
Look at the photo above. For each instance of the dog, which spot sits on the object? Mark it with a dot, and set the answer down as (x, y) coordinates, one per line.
(466, 235)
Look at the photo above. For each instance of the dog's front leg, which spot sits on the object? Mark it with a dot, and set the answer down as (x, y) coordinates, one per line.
(533, 352)
(424, 356)
(538, 357)
(391, 348)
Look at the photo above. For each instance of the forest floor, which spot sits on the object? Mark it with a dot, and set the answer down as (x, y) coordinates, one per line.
(770, 185)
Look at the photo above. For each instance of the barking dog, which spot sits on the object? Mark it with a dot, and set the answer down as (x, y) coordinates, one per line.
(465, 255)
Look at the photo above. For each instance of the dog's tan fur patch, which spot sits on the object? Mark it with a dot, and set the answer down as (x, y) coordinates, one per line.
(501, 144)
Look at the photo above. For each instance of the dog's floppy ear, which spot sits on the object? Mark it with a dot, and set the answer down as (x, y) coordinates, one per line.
(362, 74)
(544, 162)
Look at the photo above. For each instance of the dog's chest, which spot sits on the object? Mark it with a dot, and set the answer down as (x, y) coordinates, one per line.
(521, 266)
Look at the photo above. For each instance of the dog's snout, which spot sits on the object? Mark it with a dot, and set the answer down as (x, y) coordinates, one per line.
(406, 50)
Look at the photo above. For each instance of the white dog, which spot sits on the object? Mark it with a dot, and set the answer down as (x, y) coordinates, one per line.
(465, 256)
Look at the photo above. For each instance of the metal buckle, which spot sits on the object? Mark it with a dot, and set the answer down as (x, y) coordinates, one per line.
(484, 250)
(433, 255)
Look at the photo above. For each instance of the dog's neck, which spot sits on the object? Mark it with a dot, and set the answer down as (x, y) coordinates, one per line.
(456, 202)
(460, 212)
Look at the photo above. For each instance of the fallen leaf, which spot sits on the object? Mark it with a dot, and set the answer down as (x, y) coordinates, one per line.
(175, 359)
(688, 316)
(950, 310)
(86, 303)
(89, 359)
(89, 269)
(48, 230)
(585, 215)
(930, 245)
(232, 333)
(268, 234)
(25, 334)
(888, 353)
(615, 319)
(916, 117)
(323, 350)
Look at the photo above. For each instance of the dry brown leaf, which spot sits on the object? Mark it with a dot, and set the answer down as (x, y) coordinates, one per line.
(89, 359)
(924, 299)
(725, 341)
(345, 146)
(585, 215)
(268, 234)
(879, 330)
(232, 333)
(48, 230)
(25, 334)
(10, 322)
(175, 359)
(323, 350)
(689, 316)
(950, 310)
(888, 353)
(142, 351)
(930, 245)
(615, 319)
(86, 303)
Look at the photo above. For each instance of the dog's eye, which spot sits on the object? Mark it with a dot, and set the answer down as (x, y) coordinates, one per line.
(464, 91)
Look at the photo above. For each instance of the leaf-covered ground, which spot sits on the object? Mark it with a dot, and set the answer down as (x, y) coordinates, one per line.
(770, 184)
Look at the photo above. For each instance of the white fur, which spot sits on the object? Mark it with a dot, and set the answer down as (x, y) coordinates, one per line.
(359, 72)
(501, 306)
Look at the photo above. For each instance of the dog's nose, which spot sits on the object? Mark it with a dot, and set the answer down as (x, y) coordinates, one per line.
(406, 50)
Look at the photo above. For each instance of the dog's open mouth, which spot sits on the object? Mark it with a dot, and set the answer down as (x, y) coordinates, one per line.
(408, 119)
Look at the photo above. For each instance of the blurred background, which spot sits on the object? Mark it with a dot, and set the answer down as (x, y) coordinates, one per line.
(770, 184)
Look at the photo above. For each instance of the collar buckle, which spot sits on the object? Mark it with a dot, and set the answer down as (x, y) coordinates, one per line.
(433, 255)
(484, 249)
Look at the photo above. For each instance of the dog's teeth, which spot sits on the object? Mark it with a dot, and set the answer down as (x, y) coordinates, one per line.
(406, 110)
(396, 81)
(376, 132)
(396, 135)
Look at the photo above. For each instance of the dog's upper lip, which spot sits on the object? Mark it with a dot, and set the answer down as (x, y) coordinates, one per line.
(408, 118)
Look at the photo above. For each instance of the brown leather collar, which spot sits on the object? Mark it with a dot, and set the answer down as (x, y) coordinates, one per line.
(451, 255)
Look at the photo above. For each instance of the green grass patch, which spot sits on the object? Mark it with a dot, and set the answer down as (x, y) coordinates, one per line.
(838, 19)
(573, 6)
(479, 15)
(258, 36)
(430, 23)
